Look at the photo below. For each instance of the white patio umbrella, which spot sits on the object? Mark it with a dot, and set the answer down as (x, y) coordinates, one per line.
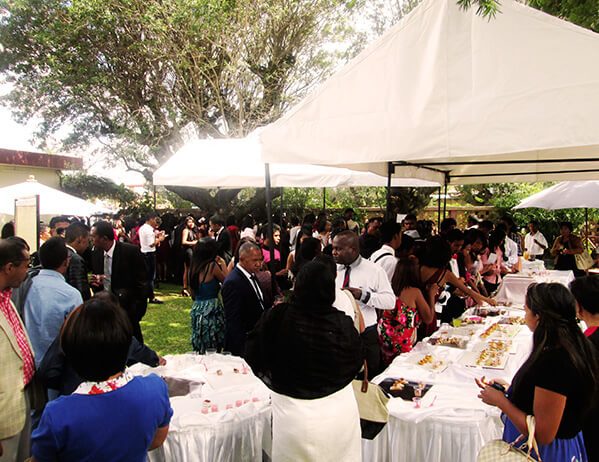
(565, 195)
(52, 201)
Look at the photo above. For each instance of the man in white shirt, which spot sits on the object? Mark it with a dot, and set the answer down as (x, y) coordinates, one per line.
(369, 285)
(385, 256)
(534, 242)
(149, 239)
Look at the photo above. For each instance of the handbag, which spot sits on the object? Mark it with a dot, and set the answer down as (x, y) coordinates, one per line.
(583, 260)
(372, 406)
(500, 451)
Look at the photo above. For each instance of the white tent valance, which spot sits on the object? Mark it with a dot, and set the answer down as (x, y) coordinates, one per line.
(237, 163)
(449, 95)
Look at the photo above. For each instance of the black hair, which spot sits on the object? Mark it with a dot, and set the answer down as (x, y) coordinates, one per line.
(53, 253)
(436, 253)
(486, 224)
(389, 230)
(76, 230)
(294, 220)
(473, 235)
(447, 224)
(58, 219)
(329, 262)
(231, 220)
(11, 251)
(247, 222)
(454, 235)
(509, 221)
(348, 210)
(534, 222)
(408, 244)
(309, 219)
(264, 231)
(473, 220)
(321, 225)
(95, 339)
(497, 239)
(150, 215)
(566, 224)
(586, 292)
(104, 229)
(424, 228)
(305, 231)
(8, 230)
(410, 216)
(204, 253)
(217, 220)
(310, 248)
(314, 286)
(405, 275)
(555, 306)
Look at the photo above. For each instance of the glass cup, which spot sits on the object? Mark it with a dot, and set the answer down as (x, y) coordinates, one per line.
(210, 351)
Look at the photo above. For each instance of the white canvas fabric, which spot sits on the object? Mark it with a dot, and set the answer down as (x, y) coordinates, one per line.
(446, 86)
(565, 195)
(52, 201)
(237, 163)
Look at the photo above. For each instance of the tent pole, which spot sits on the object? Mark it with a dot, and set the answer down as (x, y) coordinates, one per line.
(269, 218)
(439, 209)
(324, 199)
(281, 209)
(445, 200)
(586, 221)
(389, 173)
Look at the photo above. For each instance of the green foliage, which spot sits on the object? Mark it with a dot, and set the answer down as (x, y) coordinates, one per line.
(486, 8)
(96, 187)
(584, 13)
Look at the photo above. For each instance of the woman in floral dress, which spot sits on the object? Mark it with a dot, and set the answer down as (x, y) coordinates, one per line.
(207, 272)
(397, 327)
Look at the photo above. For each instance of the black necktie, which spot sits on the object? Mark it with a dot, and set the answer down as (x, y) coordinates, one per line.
(257, 289)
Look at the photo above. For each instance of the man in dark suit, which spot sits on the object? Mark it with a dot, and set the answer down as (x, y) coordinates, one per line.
(77, 239)
(243, 298)
(120, 269)
(221, 236)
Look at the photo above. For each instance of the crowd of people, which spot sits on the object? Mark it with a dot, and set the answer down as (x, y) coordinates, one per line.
(310, 305)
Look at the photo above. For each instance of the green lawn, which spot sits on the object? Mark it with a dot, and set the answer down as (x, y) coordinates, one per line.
(166, 328)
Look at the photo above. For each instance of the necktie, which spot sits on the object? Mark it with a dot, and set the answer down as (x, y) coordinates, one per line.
(107, 272)
(257, 289)
(346, 277)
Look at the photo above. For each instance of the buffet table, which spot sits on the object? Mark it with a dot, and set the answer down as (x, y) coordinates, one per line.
(449, 423)
(513, 287)
(221, 410)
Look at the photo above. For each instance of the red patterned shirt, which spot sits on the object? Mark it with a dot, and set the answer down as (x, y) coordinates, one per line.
(19, 332)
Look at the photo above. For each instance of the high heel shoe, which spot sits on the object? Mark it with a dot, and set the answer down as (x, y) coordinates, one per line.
(185, 292)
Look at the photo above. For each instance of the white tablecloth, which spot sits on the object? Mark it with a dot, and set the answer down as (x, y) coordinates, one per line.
(239, 433)
(452, 424)
(513, 287)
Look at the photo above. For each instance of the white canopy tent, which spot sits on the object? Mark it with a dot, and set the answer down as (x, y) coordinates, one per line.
(52, 201)
(565, 195)
(449, 96)
(236, 163)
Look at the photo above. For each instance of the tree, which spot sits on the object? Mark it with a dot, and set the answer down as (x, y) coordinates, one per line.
(96, 187)
(138, 77)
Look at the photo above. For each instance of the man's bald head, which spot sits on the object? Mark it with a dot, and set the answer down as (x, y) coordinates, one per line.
(346, 247)
(250, 257)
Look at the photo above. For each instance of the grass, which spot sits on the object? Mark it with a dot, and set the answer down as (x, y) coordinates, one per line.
(167, 328)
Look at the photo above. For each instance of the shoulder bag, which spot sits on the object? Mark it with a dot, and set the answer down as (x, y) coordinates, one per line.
(372, 406)
(500, 451)
(583, 260)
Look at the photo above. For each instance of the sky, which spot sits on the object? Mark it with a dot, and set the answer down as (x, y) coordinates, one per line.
(18, 137)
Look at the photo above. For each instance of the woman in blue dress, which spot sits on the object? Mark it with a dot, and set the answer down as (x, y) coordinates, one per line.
(558, 381)
(206, 274)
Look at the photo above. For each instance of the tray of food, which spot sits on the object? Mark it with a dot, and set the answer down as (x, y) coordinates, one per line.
(490, 356)
(429, 361)
(405, 389)
(452, 341)
(485, 311)
(497, 330)
(516, 320)
(474, 320)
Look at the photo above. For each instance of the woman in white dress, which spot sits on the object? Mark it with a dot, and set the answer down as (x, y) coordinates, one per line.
(308, 353)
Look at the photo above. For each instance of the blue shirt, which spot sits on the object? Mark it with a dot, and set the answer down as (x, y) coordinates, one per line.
(111, 427)
(49, 300)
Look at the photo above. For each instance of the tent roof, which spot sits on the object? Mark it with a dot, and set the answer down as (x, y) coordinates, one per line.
(236, 163)
(446, 87)
(52, 201)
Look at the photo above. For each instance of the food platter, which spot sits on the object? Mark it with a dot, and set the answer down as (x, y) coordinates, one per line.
(497, 330)
(490, 355)
(452, 341)
(429, 361)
